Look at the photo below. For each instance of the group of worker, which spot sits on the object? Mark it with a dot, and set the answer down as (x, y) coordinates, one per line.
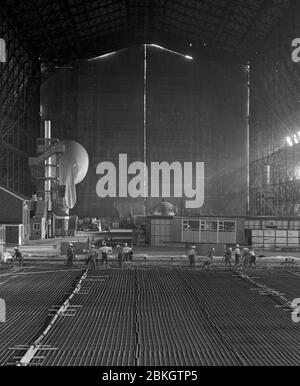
(12, 258)
(246, 258)
(192, 257)
(124, 253)
(93, 255)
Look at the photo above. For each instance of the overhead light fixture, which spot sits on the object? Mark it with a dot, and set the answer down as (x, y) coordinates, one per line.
(296, 140)
(103, 56)
(188, 57)
(289, 141)
(297, 174)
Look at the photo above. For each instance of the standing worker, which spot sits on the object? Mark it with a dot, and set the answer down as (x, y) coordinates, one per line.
(192, 256)
(92, 257)
(120, 255)
(130, 254)
(210, 258)
(237, 253)
(104, 250)
(18, 255)
(228, 257)
(126, 251)
(246, 257)
(71, 254)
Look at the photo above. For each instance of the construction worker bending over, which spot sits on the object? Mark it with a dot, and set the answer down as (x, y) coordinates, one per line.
(18, 256)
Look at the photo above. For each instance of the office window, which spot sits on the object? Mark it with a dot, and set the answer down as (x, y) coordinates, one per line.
(191, 226)
(212, 226)
(221, 226)
(229, 226)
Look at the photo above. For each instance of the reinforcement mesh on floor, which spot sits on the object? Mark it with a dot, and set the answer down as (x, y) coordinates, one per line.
(28, 296)
(157, 317)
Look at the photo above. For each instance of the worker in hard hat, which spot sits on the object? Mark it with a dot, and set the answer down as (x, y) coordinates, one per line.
(210, 258)
(71, 254)
(228, 256)
(246, 257)
(192, 256)
(104, 251)
(237, 254)
(126, 251)
(252, 258)
(130, 254)
(18, 256)
(120, 255)
(92, 257)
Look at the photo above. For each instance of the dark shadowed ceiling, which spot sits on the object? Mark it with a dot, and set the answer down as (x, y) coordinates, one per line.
(70, 29)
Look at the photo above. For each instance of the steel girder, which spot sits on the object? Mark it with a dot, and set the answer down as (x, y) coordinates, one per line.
(19, 107)
(69, 29)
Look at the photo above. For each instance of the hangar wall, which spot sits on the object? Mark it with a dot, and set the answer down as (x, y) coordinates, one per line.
(274, 115)
(196, 111)
(19, 107)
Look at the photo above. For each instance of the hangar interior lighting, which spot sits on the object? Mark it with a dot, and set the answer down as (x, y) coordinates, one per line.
(289, 141)
(293, 139)
(103, 56)
(188, 57)
(297, 174)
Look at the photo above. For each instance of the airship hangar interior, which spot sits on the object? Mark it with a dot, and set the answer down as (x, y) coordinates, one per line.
(149, 183)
